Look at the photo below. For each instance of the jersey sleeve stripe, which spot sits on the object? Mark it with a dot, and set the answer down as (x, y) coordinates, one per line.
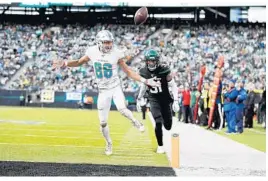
(165, 71)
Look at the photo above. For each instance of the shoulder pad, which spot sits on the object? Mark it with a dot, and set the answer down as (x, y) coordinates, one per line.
(164, 69)
(143, 72)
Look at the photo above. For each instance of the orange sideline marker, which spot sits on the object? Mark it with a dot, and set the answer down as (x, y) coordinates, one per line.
(175, 150)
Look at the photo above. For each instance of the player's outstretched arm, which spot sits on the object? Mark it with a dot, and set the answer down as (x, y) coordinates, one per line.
(72, 63)
(130, 73)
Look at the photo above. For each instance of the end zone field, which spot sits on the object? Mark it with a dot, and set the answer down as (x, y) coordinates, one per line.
(72, 139)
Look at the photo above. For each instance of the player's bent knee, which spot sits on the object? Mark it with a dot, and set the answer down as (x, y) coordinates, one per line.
(103, 124)
(158, 119)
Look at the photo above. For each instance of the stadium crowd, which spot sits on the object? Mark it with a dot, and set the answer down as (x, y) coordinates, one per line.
(15, 41)
(185, 49)
(71, 43)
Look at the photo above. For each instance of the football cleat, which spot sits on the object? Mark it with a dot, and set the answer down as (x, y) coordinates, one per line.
(160, 150)
(108, 149)
(139, 126)
(142, 128)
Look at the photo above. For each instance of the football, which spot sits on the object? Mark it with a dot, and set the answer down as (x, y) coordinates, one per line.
(141, 16)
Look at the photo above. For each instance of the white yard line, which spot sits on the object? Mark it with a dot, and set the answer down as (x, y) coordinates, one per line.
(43, 122)
(87, 137)
(251, 130)
(126, 162)
(59, 130)
(76, 146)
(256, 131)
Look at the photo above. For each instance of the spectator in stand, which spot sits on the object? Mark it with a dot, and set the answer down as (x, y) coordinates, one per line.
(258, 102)
(194, 94)
(181, 110)
(205, 100)
(242, 96)
(263, 107)
(224, 90)
(230, 107)
(249, 106)
(186, 98)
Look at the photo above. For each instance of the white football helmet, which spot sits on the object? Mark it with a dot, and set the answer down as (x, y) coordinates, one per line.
(105, 41)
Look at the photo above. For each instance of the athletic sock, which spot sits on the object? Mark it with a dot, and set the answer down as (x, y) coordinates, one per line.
(106, 134)
(159, 134)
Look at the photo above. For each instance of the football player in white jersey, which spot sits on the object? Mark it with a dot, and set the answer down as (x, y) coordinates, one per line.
(106, 58)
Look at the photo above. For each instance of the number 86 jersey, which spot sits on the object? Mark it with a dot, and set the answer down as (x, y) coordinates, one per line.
(158, 93)
(105, 66)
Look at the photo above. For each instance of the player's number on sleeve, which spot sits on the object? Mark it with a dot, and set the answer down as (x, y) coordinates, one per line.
(103, 70)
(155, 90)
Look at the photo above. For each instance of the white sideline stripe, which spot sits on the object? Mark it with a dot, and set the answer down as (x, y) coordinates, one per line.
(165, 140)
(256, 131)
(67, 137)
(74, 146)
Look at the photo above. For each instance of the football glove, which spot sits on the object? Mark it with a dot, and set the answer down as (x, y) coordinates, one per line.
(175, 106)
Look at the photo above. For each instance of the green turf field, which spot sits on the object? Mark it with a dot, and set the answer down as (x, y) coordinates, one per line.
(73, 136)
(255, 138)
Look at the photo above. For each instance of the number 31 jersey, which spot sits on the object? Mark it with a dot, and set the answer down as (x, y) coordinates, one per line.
(105, 66)
(158, 93)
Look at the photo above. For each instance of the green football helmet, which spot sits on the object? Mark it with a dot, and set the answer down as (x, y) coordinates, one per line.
(152, 59)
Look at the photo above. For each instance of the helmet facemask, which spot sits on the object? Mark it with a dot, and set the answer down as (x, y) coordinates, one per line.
(152, 64)
(151, 59)
(105, 46)
(105, 41)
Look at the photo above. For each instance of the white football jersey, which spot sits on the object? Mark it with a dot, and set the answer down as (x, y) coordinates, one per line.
(105, 66)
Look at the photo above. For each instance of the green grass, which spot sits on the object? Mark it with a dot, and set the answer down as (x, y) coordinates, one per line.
(73, 136)
(255, 138)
